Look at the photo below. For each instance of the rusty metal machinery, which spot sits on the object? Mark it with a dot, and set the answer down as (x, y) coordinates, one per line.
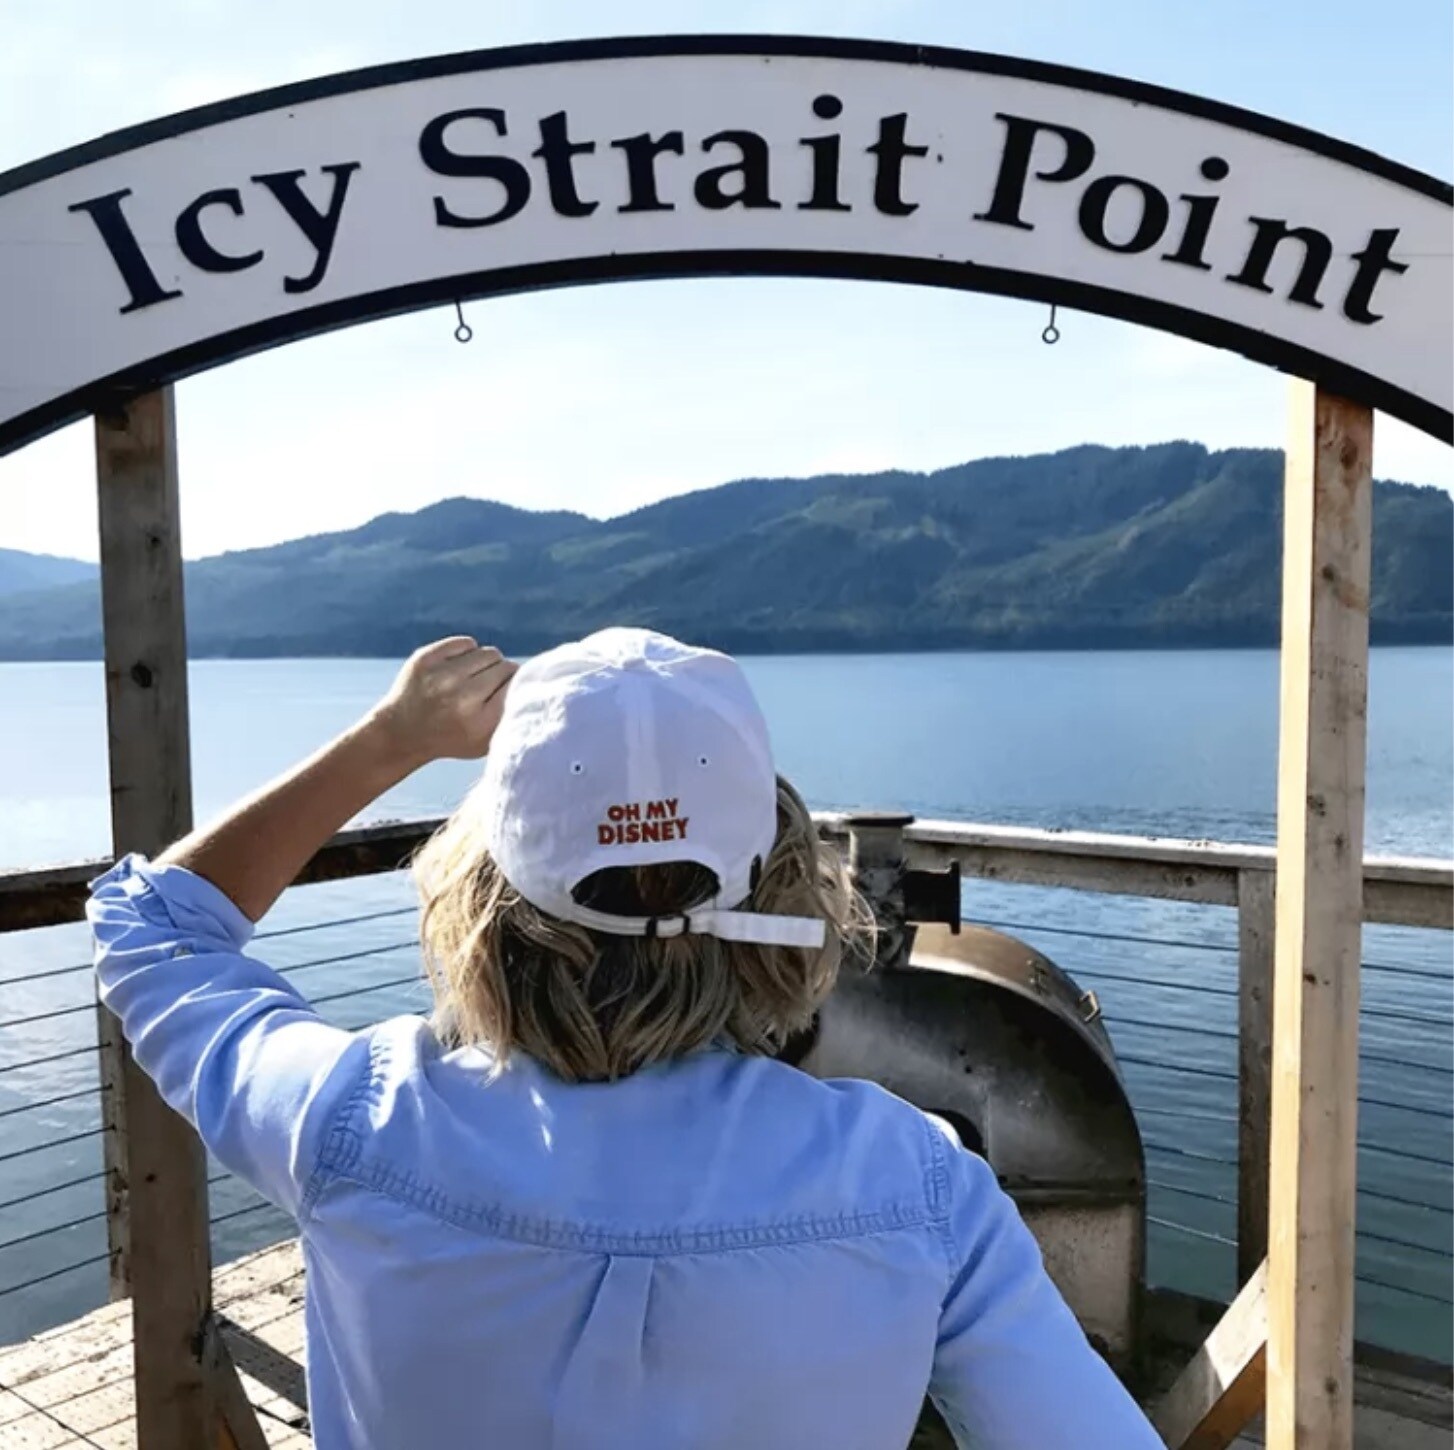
(991, 1036)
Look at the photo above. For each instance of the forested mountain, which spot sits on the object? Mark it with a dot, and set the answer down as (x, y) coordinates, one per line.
(1091, 547)
(20, 573)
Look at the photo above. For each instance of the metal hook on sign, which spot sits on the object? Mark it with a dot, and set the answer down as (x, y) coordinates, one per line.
(1051, 335)
(464, 331)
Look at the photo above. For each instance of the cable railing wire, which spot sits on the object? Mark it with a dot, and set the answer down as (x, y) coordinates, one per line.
(45, 975)
(1411, 1154)
(239, 1212)
(50, 1057)
(57, 1012)
(47, 1016)
(1395, 1014)
(100, 1215)
(1423, 973)
(1362, 1233)
(1191, 1192)
(1216, 1238)
(1138, 980)
(54, 1274)
(1195, 1115)
(1199, 1154)
(1403, 1202)
(53, 1228)
(51, 1188)
(1180, 943)
(1419, 1108)
(25, 978)
(95, 1090)
(1115, 1019)
(50, 1143)
(1222, 1075)
(1150, 941)
(1398, 1243)
(1186, 1228)
(1226, 1162)
(354, 956)
(1119, 1019)
(415, 981)
(334, 921)
(1381, 1014)
(1378, 1283)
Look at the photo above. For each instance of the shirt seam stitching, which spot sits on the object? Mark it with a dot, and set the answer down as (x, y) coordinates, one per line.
(520, 1228)
(340, 1144)
(938, 1193)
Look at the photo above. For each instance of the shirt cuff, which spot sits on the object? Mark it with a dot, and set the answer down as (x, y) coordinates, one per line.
(189, 902)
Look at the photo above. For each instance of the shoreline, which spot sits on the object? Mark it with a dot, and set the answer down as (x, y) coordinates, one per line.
(529, 646)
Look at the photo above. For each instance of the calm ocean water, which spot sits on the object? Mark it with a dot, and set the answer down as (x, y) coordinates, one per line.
(1176, 743)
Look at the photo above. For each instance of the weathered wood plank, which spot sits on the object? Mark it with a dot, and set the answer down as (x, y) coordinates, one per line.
(1255, 933)
(1319, 916)
(73, 1385)
(271, 1358)
(237, 1427)
(156, 1170)
(1206, 883)
(1398, 901)
(1222, 1388)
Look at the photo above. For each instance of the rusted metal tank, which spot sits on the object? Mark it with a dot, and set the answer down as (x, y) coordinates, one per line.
(991, 1036)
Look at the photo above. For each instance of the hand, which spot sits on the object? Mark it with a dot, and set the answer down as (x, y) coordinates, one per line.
(446, 702)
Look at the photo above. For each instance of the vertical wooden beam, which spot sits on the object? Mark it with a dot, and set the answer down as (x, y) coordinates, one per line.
(1255, 925)
(1326, 552)
(116, 1171)
(164, 1200)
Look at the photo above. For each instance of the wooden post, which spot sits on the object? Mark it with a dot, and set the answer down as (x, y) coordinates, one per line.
(162, 1198)
(1255, 893)
(1326, 552)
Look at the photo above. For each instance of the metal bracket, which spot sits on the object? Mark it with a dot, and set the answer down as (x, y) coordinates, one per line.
(934, 896)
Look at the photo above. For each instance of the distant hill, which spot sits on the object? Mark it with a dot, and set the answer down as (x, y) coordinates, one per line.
(20, 572)
(1170, 545)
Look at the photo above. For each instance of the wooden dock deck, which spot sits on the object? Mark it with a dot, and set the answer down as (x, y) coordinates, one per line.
(72, 1387)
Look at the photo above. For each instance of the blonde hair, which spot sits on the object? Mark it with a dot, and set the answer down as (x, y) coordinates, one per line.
(594, 1007)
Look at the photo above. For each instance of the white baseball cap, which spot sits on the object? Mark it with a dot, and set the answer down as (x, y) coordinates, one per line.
(628, 748)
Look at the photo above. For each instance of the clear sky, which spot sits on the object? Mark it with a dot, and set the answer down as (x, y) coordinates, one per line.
(601, 399)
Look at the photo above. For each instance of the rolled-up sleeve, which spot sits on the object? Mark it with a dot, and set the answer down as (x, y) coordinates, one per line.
(230, 1044)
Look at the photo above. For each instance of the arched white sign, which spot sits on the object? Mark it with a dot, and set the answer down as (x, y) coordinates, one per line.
(165, 249)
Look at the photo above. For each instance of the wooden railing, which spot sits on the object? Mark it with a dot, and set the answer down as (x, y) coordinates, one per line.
(1398, 891)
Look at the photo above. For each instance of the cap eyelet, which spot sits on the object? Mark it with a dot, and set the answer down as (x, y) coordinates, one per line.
(703, 761)
(576, 768)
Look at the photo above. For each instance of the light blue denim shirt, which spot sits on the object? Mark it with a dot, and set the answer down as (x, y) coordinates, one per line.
(718, 1254)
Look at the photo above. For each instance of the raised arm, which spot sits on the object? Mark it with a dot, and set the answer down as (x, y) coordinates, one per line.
(231, 1044)
(445, 703)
